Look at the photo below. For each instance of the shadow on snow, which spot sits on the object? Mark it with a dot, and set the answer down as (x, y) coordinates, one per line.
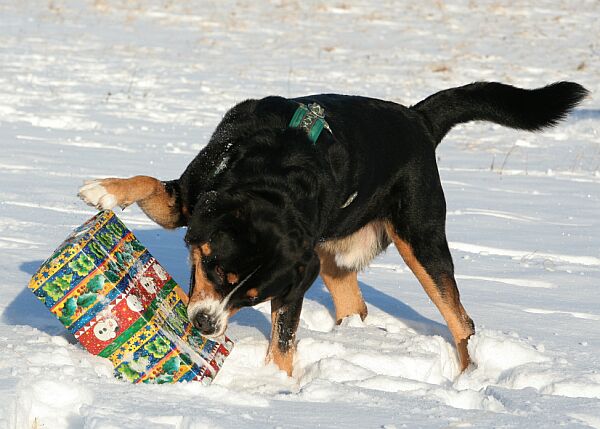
(167, 247)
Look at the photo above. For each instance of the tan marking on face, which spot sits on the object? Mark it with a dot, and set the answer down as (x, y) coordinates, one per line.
(252, 293)
(343, 287)
(232, 278)
(449, 304)
(186, 212)
(182, 295)
(206, 249)
(203, 288)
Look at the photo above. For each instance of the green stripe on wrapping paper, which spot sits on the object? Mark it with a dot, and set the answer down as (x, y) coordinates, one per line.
(101, 268)
(38, 280)
(90, 312)
(121, 339)
(144, 319)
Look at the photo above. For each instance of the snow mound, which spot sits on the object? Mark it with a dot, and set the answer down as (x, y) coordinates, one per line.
(369, 358)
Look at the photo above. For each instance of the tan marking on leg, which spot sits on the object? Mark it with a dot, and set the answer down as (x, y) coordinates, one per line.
(150, 194)
(449, 305)
(283, 360)
(343, 286)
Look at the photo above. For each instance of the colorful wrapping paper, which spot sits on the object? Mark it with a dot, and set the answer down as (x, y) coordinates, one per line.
(121, 304)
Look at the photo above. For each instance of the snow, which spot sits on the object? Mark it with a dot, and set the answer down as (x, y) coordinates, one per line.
(111, 89)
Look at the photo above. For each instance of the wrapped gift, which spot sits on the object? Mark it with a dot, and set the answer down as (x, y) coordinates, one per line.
(121, 304)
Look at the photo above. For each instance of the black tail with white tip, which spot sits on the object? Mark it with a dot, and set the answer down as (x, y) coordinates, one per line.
(526, 109)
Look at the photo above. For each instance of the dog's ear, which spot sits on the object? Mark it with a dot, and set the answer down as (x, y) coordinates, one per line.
(199, 224)
(218, 211)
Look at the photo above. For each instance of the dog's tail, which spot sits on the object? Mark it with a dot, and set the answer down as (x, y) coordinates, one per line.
(527, 109)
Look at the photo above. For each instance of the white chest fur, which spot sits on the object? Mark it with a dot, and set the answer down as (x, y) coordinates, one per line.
(356, 251)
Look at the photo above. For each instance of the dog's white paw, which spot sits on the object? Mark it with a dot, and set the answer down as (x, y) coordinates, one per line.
(96, 195)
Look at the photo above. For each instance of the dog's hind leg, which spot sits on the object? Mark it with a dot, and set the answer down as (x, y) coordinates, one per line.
(343, 286)
(160, 201)
(437, 278)
(418, 231)
(442, 290)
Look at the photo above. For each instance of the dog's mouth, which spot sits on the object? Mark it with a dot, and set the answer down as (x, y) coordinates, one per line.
(219, 338)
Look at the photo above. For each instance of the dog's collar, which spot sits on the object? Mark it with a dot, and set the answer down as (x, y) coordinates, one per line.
(311, 119)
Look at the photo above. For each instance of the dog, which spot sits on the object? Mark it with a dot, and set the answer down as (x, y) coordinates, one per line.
(287, 189)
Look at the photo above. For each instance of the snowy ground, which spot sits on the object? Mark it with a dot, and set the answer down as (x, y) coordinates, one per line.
(89, 89)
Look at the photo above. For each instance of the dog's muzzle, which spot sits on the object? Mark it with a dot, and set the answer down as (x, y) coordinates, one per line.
(208, 318)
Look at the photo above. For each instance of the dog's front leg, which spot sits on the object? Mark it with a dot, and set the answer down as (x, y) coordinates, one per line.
(284, 323)
(160, 201)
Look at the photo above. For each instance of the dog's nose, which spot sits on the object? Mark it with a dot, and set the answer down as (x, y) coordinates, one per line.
(204, 323)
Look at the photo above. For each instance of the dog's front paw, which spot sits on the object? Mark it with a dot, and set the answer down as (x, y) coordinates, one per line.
(93, 193)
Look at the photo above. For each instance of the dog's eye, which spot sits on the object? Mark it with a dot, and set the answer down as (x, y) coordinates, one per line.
(232, 278)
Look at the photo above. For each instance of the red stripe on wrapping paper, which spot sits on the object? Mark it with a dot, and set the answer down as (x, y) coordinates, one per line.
(124, 316)
(147, 316)
(149, 270)
(99, 316)
(134, 288)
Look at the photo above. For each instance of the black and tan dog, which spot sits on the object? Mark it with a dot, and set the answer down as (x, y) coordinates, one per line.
(290, 188)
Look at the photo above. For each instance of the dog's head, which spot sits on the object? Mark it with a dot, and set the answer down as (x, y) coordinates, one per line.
(244, 250)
